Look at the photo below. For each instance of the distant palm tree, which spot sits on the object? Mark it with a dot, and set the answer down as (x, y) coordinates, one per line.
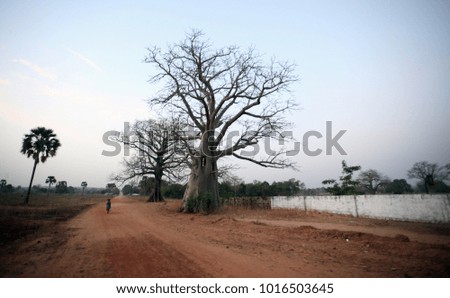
(39, 144)
(83, 185)
(2, 185)
(50, 180)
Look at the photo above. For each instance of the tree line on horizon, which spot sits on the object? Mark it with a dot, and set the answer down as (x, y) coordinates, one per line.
(42, 143)
(431, 179)
(61, 187)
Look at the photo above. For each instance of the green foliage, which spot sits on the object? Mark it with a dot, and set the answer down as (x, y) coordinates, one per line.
(202, 203)
(347, 185)
(5, 187)
(191, 205)
(61, 187)
(127, 190)
(261, 189)
(287, 188)
(173, 190)
(437, 187)
(38, 189)
(50, 180)
(111, 188)
(227, 190)
(146, 185)
(398, 186)
(40, 144)
(111, 191)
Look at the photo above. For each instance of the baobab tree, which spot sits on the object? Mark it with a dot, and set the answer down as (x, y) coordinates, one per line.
(40, 144)
(428, 173)
(232, 98)
(157, 152)
(83, 186)
(371, 181)
(50, 180)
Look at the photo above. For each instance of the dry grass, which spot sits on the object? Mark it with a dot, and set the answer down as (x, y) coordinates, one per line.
(18, 220)
(52, 200)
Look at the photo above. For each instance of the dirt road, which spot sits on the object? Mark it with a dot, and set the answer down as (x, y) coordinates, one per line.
(153, 240)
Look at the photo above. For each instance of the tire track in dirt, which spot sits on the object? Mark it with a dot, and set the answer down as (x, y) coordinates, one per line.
(147, 244)
(118, 244)
(134, 252)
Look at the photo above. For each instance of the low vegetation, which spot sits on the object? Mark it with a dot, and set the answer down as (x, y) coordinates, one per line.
(18, 220)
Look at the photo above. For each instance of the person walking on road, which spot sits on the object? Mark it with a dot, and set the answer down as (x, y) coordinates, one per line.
(108, 206)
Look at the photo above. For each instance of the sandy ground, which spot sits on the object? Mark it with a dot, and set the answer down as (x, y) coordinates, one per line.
(139, 239)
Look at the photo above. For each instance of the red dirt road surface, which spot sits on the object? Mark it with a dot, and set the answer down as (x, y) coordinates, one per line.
(139, 239)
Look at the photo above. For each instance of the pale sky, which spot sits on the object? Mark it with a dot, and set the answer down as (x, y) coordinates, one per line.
(378, 69)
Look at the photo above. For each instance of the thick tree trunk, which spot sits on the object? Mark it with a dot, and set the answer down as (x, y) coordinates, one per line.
(429, 182)
(27, 198)
(202, 192)
(156, 194)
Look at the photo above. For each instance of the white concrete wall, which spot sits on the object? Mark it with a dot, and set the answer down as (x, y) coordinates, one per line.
(425, 208)
(332, 204)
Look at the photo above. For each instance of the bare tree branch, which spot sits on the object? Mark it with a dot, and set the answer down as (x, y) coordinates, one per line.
(221, 91)
(155, 152)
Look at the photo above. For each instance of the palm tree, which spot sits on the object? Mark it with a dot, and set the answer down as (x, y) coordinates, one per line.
(39, 144)
(83, 185)
(50, 180)
(2, 185)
